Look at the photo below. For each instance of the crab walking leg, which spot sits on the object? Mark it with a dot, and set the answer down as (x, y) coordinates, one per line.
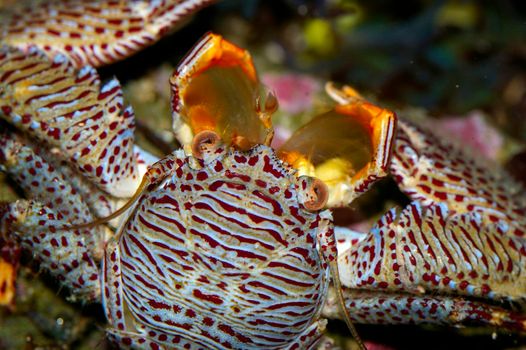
(95, 32)
(435, 249)
(389, 308)
(431, 250)
(71, 110)
(431, 171)
(68, 255)
(62, 253)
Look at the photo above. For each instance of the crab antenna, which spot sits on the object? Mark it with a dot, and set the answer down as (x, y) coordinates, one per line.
(145, 182)
(338, 286)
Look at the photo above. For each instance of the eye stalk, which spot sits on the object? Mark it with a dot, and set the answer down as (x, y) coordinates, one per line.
(314, 193)
(205, 143)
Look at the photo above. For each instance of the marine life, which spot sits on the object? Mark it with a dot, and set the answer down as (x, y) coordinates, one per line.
(229, 243)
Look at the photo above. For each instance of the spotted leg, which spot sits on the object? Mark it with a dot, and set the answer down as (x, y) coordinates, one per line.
(389, 308)
(422, 256)
(68, 255)
(430, 171)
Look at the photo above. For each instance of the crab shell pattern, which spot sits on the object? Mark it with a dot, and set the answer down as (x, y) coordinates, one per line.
(220, 254)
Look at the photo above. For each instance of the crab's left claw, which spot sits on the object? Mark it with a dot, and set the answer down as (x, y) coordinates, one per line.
(348, 148)
(216, 88)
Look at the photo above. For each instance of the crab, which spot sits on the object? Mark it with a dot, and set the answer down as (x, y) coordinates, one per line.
(228, 242)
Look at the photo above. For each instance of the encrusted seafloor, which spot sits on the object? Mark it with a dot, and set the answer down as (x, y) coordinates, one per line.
(462, 63)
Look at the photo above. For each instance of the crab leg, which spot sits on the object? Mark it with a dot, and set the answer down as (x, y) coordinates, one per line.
(433, 249)
(431, 171)
(70, 109)
(36, 223)
(95, 32)
(389, 308)
(419, 251)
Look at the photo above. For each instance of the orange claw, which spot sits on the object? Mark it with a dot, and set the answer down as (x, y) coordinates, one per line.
(216, 88)
(9, 256)
(7, 282)
(348, 148)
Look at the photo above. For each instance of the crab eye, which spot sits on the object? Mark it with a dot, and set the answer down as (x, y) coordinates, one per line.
(216, 88)
(315, 193)
(347, 148)
(206, 142)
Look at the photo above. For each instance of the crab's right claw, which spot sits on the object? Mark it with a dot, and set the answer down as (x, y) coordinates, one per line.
(348, 148)
(216, 88)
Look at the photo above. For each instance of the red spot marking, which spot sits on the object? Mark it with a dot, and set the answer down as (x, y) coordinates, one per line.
(190, 313)
(253, 160)
(240, 159)
(203, 279)
(425, 188)
(201, 176)
(268, 168)
(441, 195)
(383, 285)
(261, 183)
(6, 110)
(485, 289)
(215, 299)
(158, 305)
(218, 167)
(232, 175)
(53, 32)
